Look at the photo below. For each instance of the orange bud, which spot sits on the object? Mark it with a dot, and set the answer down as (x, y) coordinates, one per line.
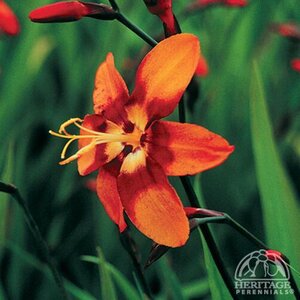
(202, 67)
(295, 64)
(163, 9)
(158, 7)
(91, 184)
(290, 30)
(67, 11)
(8, 21)
(239, 3)
(194, 212)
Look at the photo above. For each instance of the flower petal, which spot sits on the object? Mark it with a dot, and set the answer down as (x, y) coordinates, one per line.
(151, 202)
(183, 149)
(9, 23)
(108, 193)
(110, 93)
(163, 76)
(100, 154)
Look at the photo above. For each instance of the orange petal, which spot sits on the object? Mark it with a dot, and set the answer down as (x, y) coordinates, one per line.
(110, 93)
(9, 23)
(150, 201)
(108, 193)
(100, 154)
(163, 76)
(183, 149)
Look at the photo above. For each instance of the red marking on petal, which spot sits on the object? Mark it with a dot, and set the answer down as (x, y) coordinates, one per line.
(100, 154)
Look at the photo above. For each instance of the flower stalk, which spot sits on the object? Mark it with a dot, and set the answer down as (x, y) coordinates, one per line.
(130, 246)
(41, 243)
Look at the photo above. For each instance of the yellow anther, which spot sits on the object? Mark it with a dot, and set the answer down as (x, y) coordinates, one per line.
(62, 128)
(114, 134)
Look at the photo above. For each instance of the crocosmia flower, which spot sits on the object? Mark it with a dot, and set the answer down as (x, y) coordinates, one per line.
(8, 21)
(135, 151)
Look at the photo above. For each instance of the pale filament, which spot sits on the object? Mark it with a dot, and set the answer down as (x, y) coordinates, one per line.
(97, 138)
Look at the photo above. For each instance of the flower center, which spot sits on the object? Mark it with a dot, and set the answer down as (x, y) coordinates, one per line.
(114, 134)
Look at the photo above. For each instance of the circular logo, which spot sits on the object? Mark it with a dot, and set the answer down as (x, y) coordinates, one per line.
(262, 265)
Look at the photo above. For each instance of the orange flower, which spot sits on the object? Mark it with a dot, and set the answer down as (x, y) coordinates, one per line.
(8, 21)
(135, 151)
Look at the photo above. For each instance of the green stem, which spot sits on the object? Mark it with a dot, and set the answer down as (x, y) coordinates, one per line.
(130, 246)
(138, 31)
(114, 5)
(43, 247)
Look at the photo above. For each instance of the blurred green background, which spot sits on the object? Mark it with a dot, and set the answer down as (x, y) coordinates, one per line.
(47, 76)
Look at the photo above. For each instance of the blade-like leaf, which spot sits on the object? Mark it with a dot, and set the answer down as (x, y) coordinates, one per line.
(107, 286)
(280, 210)
(217, 286)
(125, 286)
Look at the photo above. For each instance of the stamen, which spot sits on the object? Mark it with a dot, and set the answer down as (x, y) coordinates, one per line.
(62, 128)
(114, 134)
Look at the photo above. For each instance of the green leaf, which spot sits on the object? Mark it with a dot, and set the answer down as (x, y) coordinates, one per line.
(279, 206)
(35, 263)
(125, 286)
(217, 286)
(107, 286)
(170, 280)
(6, 176)
(196, 289)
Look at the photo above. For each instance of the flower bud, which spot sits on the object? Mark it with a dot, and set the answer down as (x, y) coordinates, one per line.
(193, 212)
(68, 11)
(8, 21)
(239, 3)
(158, 7)
(202, 67)
(163, 9)
(290, 30)
(295, 64)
